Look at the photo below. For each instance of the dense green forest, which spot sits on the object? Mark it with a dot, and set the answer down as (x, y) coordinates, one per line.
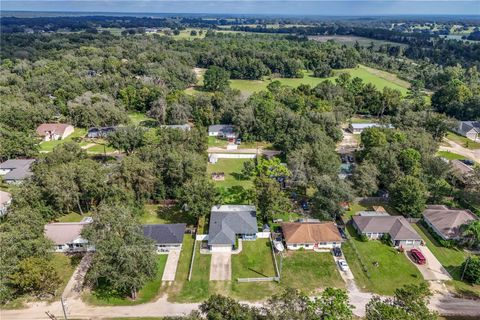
(92, 79)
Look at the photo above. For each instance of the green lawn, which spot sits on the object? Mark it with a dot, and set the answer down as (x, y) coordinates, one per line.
(394, 269)
(449, 155)
(140, 119)
(463, 141)
(149, 291)
(77, 135)
(216, 142)
(232, 169)
(198, 289)
(71, 217)
(308, 271)
(377, 77)
(451, 259)
(157, 214)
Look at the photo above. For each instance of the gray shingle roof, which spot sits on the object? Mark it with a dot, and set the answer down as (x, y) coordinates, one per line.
(448, 221)
(165, 233)
(466, 126)
(223, 128)
(396, 226)
(20, 168)
(229, 220)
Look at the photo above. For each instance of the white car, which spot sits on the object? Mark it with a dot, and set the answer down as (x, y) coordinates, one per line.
(343, 265)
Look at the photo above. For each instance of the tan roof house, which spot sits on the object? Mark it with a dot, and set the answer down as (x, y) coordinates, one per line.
(375, 226)
(311, 235)
(66, 236)
(54, 131)
(447, 222)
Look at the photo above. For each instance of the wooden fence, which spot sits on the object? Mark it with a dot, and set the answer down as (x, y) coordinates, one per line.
(264, 279)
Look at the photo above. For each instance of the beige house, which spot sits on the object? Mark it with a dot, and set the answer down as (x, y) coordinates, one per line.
(54, 131)
(311, 235)
(66, 236)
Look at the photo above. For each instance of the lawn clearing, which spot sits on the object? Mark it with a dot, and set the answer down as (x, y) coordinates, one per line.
(216, 142)
(309, 270)
(159, 214)
(449, 155)
(394, 269)
(232, 168)
(141, 119)
(72, 217)
(77, 135)
(149, 291)
(198, 288)
(255, 261)
(451, 259)
(463, 141)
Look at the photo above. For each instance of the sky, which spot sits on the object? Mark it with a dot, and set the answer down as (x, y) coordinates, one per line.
(263, 7)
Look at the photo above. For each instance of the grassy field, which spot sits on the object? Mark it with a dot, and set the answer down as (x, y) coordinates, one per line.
(216, 142)
(72, 217)
(139, 119)
(149, 291)
(463, 141)
(308, 271)
(198, 288)
(232, 169)
(451, 259)
(394, 269)
(157, 214)
(449, 155)
(77, 135)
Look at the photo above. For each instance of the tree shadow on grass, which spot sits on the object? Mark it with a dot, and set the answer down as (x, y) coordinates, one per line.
(174, 214)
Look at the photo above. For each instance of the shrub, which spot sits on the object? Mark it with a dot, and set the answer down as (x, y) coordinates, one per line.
(363, 238)
(472, 269)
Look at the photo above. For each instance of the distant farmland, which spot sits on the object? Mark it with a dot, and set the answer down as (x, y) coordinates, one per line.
(350, 41)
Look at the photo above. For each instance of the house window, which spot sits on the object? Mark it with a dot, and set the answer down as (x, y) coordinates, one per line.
(307, 245)
(295, 245)
(323, 243)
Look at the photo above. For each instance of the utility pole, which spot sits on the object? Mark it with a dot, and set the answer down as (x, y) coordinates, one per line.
(64, 307)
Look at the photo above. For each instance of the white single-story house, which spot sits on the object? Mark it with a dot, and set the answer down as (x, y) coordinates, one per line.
(66, 236)
(447, 223)
(311, 235)
(376, 226)
(16, 170)
(222, 131)
(469, 129)
(5, 201)
(183, 127)
(167, 237)
(54, 131)
(357, 128)
(227, 222)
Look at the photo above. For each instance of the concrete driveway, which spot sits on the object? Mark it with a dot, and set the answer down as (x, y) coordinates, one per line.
(221, 266)
(432, 270)
(171, 266)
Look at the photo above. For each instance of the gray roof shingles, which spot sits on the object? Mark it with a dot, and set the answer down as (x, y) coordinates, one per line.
(396, 226)
(20, 169)
(228, 221)
(165, 233)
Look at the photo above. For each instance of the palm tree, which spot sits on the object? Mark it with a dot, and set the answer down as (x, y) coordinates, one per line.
(471, 232)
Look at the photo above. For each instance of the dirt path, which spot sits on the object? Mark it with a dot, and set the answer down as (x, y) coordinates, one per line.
(456, 148)
(348, 144)
(74, 287)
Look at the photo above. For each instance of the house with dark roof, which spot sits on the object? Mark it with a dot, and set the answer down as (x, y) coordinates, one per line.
(167, 237)
(469, 129)
(16, 170)
(397, 227)
(318, 236)
(54, 131)
(447, 223)
(227, 222)
(66, 236)
(222, 131)
(101, 132)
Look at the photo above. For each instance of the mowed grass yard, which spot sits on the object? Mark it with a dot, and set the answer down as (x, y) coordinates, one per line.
(394, 269)
(232, 168)
(77, 135)
(463, 141)
(147, 293)
(449, 155)
(451, 259)
(379, 78)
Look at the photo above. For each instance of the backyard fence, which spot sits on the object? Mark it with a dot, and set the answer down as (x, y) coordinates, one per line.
(193, 258)
(264, 279)
(263, 235)
(355, 250)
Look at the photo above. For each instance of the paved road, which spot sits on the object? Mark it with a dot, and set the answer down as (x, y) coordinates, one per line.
(221, 266)
(456, 148)
(171, 266)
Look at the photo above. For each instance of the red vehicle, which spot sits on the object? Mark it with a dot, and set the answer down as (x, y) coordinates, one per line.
(418, 256)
